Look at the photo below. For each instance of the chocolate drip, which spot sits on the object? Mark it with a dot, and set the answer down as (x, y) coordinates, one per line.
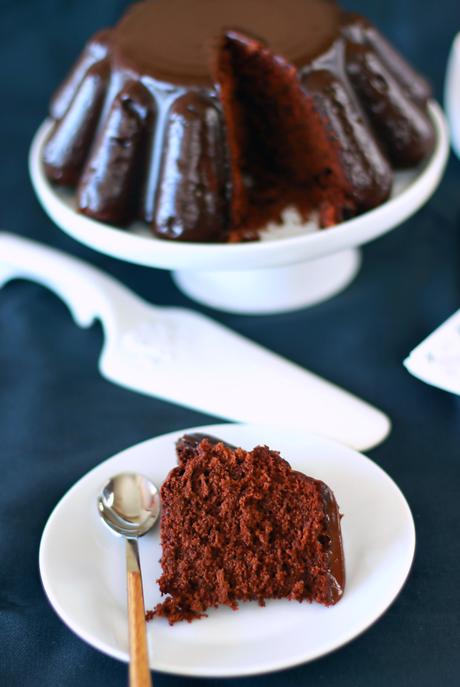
(111, 186)
(187, 445)
(95, 51)
(69, 142)
(191, 201)
(368, 174)
(331, 540)
(360, 30)
(401, 124)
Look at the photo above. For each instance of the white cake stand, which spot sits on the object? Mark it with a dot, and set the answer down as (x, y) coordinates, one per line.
(276, 274)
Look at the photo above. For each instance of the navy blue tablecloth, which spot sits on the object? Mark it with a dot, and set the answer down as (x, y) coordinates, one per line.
(59, 418)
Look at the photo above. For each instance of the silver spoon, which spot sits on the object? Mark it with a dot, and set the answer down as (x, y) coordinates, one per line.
(130, 505)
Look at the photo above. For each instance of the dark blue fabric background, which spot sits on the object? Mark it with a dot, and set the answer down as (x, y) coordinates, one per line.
(59, 418)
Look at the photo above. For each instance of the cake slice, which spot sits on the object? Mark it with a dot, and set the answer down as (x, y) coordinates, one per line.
(294, 139)
(244, 526)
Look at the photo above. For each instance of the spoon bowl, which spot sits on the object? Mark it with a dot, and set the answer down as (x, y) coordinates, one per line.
(129, 504)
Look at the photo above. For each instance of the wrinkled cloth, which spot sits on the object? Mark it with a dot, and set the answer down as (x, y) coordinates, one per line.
(59, 418)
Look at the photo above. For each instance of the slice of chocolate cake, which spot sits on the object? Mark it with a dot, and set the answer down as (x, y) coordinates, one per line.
(241, 526)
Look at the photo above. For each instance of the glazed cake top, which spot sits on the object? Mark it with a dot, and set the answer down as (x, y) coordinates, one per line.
(173, 40)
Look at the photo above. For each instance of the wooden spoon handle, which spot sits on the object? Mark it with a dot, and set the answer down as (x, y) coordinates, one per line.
(139, 671)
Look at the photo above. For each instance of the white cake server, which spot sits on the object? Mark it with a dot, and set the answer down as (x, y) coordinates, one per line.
(436, 360)
(184, 357)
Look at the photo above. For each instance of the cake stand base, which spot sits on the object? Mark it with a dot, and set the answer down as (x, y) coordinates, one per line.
(274, 290)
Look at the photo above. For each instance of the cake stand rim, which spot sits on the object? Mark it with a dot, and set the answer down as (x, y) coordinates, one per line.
(174, 255)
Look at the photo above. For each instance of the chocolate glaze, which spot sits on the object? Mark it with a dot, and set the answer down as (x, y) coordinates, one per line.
(192, 441)
(67, 148)
(368, 175)
(187, 445)
(403, 126)
(112, 180)
(333, 544)
(192, 191)
(172, 157)
(358, 29)
(152, 40)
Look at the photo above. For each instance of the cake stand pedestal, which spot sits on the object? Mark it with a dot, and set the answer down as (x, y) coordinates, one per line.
(273, 290)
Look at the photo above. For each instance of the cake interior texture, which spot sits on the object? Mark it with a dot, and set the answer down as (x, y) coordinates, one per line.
(274, 130)
(207, 118)
(242, 525)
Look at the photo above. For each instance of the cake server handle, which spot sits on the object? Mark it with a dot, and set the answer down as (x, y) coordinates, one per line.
(139, 671)
(88, 292)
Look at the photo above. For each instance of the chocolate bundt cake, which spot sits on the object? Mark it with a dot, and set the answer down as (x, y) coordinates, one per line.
(206, 118)
(243, 526)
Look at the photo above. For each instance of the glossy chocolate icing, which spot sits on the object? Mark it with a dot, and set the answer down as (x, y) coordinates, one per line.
(67, 149)
(152, 39)
(333, 544)
(110, 179)
(143, 123)
(188, 444)
(192, 193)
(403, 128)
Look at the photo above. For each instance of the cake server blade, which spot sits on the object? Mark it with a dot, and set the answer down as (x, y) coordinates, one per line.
(184, 357)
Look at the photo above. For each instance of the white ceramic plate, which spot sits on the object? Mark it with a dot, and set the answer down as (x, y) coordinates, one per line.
(411, 190)
(82, 564)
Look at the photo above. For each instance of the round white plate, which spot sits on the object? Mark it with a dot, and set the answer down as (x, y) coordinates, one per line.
(411, 190)
(82, 564)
